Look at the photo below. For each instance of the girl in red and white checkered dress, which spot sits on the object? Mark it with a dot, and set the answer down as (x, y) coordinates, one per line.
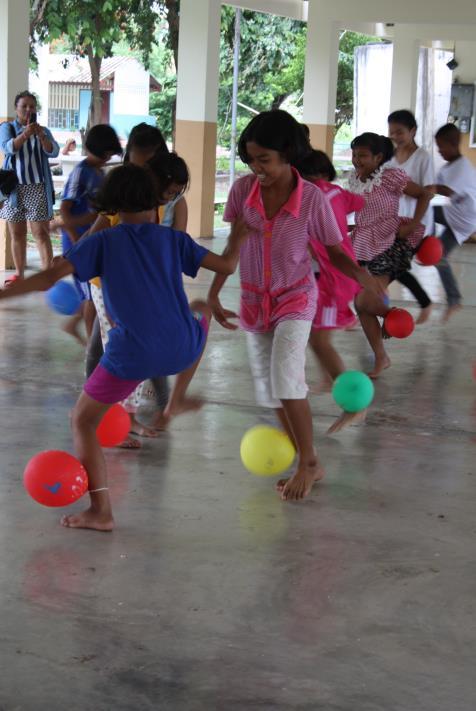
(278, 288)
(383, 242)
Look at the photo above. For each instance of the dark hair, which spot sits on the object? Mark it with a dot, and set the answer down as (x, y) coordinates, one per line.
(145, 137)
(168, 168)
(375, 144)
(317, 163)
(403, 117)
(307, 131)
(449, 133)
(25, 95)
(102, 139)
(127, 188)
(278, 131)
(8, 182)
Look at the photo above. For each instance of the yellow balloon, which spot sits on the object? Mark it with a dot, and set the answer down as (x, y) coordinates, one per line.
(266, 451)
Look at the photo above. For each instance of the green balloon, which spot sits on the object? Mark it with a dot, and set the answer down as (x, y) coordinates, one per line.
(353, 391)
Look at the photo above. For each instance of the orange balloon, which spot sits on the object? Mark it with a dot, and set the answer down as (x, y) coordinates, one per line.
(114, 426)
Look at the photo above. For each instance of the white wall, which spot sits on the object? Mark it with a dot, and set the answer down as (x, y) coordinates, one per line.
(131, 90)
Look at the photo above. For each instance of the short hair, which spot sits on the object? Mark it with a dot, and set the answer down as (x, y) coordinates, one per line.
(278, 131)
(25, 95)
(317, 163)
(127, 188)
(449, 133)
(102, 139)
(8, 182)
(375, 143)
(145, 137)
(168, 168)
(403, 117)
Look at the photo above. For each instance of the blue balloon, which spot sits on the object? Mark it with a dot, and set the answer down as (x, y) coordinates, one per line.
(63, 298)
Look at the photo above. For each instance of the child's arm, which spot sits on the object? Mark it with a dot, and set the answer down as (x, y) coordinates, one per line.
(423, 197)
(443, 190)
(180, 215)
(347, 266)
(226, 263)
(221, 314)
(70, 222)
(100, 223)
(40, 281)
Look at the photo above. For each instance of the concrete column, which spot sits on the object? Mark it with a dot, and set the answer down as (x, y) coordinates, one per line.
(14, 26)
(320, 76)
(197, 100)
(406, 51)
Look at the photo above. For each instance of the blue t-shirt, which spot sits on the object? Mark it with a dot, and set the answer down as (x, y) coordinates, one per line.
(141, 270)
(81, 187)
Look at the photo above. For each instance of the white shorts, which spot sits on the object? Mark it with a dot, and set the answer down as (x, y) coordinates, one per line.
(277, 361)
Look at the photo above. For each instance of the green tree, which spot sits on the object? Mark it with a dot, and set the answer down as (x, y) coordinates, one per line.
(92, 27)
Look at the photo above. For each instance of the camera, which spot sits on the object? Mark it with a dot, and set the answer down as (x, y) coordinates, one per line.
(33, 117)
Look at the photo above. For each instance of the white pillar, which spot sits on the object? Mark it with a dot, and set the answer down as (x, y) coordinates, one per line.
(320, 76)
(14, 50)
(197, 103)
(406, 51)
(14, 27)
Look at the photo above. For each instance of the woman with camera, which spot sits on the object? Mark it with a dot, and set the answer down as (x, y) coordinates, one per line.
(27, 147)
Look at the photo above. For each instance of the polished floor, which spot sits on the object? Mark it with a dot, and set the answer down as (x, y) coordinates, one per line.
(212, 594)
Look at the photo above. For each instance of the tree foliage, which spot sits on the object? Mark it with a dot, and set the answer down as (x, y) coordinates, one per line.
(92, 27)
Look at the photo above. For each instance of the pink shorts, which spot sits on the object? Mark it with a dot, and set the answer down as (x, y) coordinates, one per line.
(107, 388)
(332, 314)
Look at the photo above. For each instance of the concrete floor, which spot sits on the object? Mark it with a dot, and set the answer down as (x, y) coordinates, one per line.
(212, 594)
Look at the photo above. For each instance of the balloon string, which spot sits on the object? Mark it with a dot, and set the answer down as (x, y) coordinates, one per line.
(103, 488)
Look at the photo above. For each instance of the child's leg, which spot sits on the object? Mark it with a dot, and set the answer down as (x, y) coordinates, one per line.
(288, 382)
(321, 343)
(162, 396)
(95, 350)
(87, 415)
(448, 279)
(178, 403)
(415, 288)
(368, 308)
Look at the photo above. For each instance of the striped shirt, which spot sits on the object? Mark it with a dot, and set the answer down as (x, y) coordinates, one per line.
(377, 224)
(277, 282)
(28, 159)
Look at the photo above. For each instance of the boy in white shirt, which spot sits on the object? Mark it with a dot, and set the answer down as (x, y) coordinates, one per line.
(457, 181)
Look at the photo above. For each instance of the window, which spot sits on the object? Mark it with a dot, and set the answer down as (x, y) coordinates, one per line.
(63, 118)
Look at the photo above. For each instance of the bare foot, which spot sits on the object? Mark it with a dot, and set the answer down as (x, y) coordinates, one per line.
(450, 311)
(130, 443)
(72, 330)
(89, 519)
(346, 419)
(141, 430)
(381, 363)
(301, 483)
(188, 404)
(424, 314)
(161, 422)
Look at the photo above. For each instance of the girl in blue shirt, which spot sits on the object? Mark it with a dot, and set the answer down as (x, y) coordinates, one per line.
(156, 331)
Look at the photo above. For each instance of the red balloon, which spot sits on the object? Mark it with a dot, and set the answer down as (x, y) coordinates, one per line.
(430, 251)
(399, 323)
(55, 478)
(114, 426)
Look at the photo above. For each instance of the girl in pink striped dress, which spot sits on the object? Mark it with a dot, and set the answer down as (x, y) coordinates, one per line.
(278, 289)
(335, 290)
(383, 242)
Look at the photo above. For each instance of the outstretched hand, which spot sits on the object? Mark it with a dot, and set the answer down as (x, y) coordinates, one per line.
(221, 314)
